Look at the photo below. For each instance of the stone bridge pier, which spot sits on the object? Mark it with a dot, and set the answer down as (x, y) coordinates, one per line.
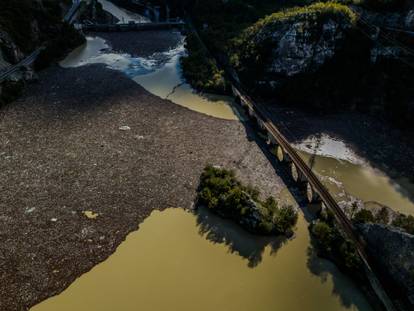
(315, 202)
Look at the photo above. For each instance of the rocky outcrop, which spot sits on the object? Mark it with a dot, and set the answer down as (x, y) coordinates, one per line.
(304, 46)
(393, 251)
(409, 20)
(287, 44)
(11, 52)
(324, 57)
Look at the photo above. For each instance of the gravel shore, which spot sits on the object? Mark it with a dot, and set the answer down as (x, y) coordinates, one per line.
(91, 139)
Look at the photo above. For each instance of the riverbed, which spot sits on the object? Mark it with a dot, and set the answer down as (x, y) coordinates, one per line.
(202, 249)
(183, 260)
(347, 175)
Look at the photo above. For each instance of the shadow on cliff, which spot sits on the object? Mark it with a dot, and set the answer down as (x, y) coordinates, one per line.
(238, 241)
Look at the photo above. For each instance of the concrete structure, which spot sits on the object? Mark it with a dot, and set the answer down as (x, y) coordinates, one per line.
(132, 26)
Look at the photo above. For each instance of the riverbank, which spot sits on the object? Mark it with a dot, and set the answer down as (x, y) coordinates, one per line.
(365, 140)
(89, 139)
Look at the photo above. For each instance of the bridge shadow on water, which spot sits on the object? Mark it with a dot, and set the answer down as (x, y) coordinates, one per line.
(382, 145)
(348, 293)
(239, 241)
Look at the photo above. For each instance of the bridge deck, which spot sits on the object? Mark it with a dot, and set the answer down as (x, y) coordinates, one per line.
(262, 113)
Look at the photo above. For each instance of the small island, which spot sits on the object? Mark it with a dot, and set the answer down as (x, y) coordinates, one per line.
(222, 193)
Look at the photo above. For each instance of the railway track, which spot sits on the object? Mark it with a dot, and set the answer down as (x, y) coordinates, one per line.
(262, 114)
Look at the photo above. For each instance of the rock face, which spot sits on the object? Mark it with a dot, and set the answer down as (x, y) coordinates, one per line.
(409, 20)
(304, 46)
(335, 62)
(10, 50)
(295, 42)
(394, 252)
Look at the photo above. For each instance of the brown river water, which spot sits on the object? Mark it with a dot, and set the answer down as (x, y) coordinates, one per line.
(180, 260)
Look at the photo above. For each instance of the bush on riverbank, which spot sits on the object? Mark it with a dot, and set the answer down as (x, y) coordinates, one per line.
(331, 244)
(200, 70)
(222, 193)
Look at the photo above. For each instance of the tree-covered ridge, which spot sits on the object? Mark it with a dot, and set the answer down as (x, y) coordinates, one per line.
(223, 194)
(319, 10)
(29, 22)
(255, 44)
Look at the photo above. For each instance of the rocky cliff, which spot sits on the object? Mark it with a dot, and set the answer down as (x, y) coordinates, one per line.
(393, 250)
(339, 57)
(26, 25)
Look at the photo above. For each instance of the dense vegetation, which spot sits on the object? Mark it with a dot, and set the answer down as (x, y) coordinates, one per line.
(26, 25)
(31, 24)
(401, 221)
(330, 243)
(349, 81)
(18, 17)
(223, 194)
(252, 56)
(200, 69)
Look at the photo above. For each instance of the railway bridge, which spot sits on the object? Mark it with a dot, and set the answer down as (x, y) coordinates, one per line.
(316, 191)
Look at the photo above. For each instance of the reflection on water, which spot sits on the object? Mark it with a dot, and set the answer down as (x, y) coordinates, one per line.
(160, 74)
(123, 16)
(95, 51)
(363, 182)
(167, 82)
(173, 263)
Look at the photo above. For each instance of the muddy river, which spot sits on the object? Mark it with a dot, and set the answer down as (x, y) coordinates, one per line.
(180, 260)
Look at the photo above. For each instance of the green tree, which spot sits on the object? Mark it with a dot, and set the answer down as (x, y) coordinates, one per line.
(383, 216)
(363, 216)
(404, 222)
(324, 235)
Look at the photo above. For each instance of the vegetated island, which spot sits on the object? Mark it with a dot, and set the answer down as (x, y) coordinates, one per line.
(222, 193)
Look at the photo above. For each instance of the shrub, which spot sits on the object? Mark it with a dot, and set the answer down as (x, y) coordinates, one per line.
(404, 222)
(324, 235)
(200, 70)
(221, 192)
(333, 245)
(383, 216)
(363, 216)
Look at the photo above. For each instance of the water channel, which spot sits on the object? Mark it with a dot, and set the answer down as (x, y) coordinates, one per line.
(179, 260)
